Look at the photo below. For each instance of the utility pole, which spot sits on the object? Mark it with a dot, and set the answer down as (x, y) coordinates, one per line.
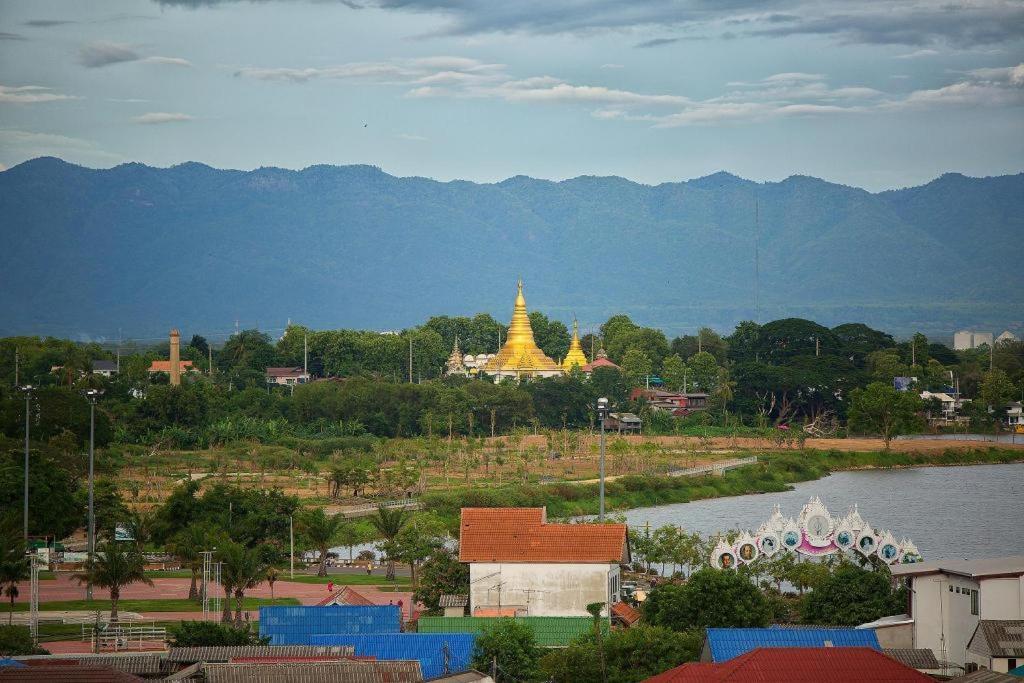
(305, 354)
(209, 355)
(28, 397)
(817, 347)
(93, 395)
(602, 412)
(291, 546)
(913, 352)
(757, 262)
(410, 359)
(15, 366)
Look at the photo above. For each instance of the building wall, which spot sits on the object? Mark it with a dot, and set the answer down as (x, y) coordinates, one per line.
(1000, 664)
(942, 618)
(540, 589)
(1002, 598)
(898, 636)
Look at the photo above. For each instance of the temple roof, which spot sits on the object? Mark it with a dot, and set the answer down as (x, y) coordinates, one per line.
(575, 356)
(520, 352)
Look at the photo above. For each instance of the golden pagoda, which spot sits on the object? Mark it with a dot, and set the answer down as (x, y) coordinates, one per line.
(520, 356)
(575, 357)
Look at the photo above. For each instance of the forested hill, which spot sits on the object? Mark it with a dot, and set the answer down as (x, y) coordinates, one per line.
(135, 248)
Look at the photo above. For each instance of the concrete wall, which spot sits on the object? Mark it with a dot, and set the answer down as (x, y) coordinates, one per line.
(551, 590)
(942, 618)
(1002, 598)
(1000, 664)
(897, 636)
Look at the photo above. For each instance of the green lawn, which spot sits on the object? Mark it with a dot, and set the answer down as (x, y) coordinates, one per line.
(166, 605)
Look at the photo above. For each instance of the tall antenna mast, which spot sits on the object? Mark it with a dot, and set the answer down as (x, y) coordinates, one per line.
(757, 262)
(305, 353)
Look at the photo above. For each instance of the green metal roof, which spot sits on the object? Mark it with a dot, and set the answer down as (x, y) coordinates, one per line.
(549, 631)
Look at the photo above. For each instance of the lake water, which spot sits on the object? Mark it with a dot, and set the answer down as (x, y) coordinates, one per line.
(948, 512)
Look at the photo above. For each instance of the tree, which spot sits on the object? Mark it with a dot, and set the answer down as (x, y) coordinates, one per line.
(114, 566)
(704, 371)
(320, 530)
(271, 576)
(594, 610)
(851, 596)
(211, 634)
(187, 545)
(711, 598)
(881, 409)
(996, 389)
(389, 522)
(631, 655)
(417, 540)
(441, 574)
(351, 533)
(674, 372)
(637, 365)
(16, 641)
(241, 569)
(14, 566)
(510, 645)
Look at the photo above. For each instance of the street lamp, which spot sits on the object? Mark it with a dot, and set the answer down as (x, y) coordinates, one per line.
(602, 413)
(27, 390)
(92, 395)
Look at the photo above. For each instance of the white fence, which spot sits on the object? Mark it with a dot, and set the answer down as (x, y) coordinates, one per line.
(714, 468)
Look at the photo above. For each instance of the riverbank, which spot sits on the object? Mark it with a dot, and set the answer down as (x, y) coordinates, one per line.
(775, 471)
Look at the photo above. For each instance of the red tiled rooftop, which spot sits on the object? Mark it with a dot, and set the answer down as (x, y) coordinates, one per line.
(599, 363)
(522, 535)
(797, 665)
(627, 613)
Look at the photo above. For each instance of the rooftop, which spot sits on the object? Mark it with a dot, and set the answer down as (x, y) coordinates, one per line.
(798, 665)
(914, 657)
(998, 638)
(997, 566)
(523, 535)
(304, 672)
(726, 643)
(286, 372)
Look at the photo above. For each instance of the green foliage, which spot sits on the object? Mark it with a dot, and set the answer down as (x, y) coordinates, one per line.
(512, 646)
(211, 634)
(710, 598)
(881, 409)
(53, 509)
(631, 655)
(441, 574)
(851, 595)
(14, 565)
(16, 641)
(319, 531)
(114, 566)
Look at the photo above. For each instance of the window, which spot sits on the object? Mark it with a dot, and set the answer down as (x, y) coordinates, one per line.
(974, 603)
(1011, 664)
(950, 588)
(958, 590)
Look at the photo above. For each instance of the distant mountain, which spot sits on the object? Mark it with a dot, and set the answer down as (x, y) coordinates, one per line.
(89, 252)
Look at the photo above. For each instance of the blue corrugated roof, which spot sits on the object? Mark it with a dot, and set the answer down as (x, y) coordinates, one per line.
(438, 653)
(726, 643)
(287, 625)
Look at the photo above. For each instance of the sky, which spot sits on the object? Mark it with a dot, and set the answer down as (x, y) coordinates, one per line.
(860, 92)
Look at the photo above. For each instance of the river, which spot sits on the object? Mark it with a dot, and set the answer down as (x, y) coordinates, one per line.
(968, 512)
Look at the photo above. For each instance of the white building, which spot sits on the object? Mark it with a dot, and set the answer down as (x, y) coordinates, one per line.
(949, 598)
(1006, 336)
(287, 376)
(521, 565)
(1015, 416)
(969, 339)
(997, 645)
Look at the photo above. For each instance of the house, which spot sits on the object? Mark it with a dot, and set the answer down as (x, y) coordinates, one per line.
(678, 404)
(107, 368)
(921, 659)
(287, 376)
(723, 644)
(985, 676)
(1006, 336)
(896, 631)
(624, 615)
(623, 422)
(313, 672)
(949, 598)
(454, 605)
(798, 665)
(600, 361)
(517, 560)
(997, 645)
(1015, 416)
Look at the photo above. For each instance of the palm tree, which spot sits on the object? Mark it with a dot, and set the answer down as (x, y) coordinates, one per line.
(389, 522)
(115, 566)
(321, 531)
(241, 569)
(271, 576)
(187, 546)
(14, 567)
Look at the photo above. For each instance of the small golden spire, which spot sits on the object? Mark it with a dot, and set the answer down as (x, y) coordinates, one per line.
(575, 356)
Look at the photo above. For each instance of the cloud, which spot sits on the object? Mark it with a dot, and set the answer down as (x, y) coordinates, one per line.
(427, 71)
(917, 54)
(30, 144)
(11, 36)
(613, 66)
(657, 42)
(47, 23)
(412, 138)
(101, 53)
(30, 94)
(158, 117)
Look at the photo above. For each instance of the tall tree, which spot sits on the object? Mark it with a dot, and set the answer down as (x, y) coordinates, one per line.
(14, 565)
(114, 566)
(241, 569)
(320, 531)
(511, 646)
(389, 523)
(710, 598)
(881, 409)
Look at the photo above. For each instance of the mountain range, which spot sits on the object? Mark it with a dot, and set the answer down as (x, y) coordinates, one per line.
(134, 250)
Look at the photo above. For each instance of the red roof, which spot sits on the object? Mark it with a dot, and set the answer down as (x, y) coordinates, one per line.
(346, 596)
(63, 673)
(599, 363)
(628, 614)
(798, 665)
(522, 535)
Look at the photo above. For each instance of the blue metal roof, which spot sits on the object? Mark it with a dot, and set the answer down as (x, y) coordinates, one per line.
(726, 643)
(438, 653)
(287, 625)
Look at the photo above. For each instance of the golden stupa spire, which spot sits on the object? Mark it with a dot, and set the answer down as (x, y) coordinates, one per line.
(575, 357)
(520, 353)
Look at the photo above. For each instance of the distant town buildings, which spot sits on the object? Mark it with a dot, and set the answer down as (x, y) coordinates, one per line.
(107, 368)
(287, 376)
(969, 339)
(678, 404)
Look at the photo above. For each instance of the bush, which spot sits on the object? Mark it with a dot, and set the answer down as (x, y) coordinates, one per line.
(208, 633)
(16, 641)
(711, 598)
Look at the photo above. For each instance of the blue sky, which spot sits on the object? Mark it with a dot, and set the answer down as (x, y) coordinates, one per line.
(867, 93)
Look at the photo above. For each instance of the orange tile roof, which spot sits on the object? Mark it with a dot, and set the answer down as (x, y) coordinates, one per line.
(165, 365)
(523, 535)
(627, 613)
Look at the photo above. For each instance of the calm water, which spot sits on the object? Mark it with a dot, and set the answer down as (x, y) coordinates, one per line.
(949, 512)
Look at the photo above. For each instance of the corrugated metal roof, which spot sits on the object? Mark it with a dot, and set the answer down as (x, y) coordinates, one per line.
(726, 643)
(549, 631)
(985, 676)
(798, 665)
(453, 600)
(998, 638)
(288, 625)
(915, 658)
(67, 673)
(438, 653)
(342, 672)
(190, 655)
